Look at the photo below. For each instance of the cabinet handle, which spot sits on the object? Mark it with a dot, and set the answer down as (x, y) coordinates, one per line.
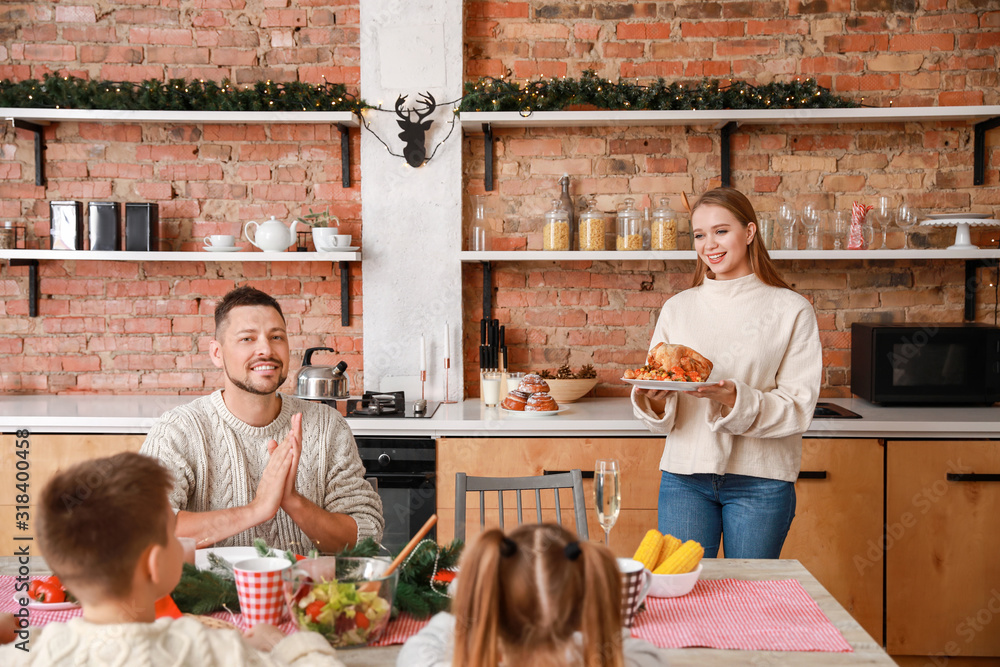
(586, 474)
(972, 477)
(812, 474)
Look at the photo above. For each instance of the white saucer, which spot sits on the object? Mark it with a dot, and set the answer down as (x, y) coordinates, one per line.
(212, 248)
(350, 248)
(532, 413)
(45, 606)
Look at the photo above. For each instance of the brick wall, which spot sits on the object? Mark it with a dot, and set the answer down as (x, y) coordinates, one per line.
(144, 327)
(921, 54)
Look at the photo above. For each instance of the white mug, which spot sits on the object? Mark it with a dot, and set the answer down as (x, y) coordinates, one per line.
(220, 241)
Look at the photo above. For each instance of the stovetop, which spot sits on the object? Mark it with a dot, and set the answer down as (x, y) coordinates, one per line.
(379, 405)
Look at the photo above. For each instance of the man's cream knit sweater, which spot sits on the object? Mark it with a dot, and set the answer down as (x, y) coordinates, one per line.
(766, 340)
(217, 460)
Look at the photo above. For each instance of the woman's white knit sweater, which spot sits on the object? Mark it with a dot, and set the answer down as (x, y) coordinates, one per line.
(766, 340)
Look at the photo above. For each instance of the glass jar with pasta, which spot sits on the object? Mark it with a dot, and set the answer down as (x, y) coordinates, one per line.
(592, 228)
(664, 227)
(629, 227)
(555, 234)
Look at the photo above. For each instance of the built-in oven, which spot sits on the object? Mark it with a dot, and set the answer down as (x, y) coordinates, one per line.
(402, 469)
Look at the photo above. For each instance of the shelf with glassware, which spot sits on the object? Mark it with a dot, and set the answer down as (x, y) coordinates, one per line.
(34, 121)
(727, 121)
(30, 258)
(682, 255)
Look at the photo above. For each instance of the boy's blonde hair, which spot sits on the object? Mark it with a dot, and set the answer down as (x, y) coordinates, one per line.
(96, 519)
(527, 594)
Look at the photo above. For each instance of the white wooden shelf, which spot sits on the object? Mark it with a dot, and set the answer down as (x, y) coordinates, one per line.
(690, 255)
(221, 117)
(194, 256)
(475, 121)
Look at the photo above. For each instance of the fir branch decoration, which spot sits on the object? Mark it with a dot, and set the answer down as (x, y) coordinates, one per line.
(416, 592)
(490, 94)
(70, 92)
(203, 591)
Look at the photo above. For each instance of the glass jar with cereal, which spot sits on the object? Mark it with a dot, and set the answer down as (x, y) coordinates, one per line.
(664, 227)
(629, 227)
(592, 228)
(555, 234)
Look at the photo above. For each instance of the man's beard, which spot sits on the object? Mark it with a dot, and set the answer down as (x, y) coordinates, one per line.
(250, 389)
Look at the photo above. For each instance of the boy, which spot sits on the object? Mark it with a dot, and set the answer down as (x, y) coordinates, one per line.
(106, 529)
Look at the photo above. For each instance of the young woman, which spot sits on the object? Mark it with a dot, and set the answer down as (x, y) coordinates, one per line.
(734, 448)
(536, 597)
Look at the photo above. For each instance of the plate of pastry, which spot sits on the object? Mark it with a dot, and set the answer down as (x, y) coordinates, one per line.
(532, 413)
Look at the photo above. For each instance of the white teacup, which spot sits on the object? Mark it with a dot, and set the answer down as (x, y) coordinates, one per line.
(220, 241)
(341, 240)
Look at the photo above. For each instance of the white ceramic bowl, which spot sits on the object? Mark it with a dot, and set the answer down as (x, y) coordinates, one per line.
(674, 585)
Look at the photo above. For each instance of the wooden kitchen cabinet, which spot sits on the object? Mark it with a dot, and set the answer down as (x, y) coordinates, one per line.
(639, 459)
(47, 454)
(838, 523)
(941, 546)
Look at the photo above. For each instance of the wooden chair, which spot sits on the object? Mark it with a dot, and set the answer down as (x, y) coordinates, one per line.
(572, 479)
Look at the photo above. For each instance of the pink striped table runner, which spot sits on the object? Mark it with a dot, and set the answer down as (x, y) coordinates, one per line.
(736, 614)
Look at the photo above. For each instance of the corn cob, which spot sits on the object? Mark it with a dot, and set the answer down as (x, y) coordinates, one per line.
(670, 545)
(650, 550)
(683, 560)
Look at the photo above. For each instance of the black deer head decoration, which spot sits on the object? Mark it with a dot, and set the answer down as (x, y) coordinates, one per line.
(414, 132)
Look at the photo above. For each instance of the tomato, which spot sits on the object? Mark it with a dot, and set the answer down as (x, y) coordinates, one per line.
(362, 621)
(47, 589)
(314, 609)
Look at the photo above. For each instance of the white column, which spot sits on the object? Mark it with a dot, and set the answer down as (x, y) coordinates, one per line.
(411, 217)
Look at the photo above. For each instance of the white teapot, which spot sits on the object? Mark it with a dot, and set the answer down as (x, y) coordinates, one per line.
(271, 236)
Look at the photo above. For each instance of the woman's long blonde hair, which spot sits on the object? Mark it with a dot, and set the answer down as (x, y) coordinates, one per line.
(523, 597)
(737, 203)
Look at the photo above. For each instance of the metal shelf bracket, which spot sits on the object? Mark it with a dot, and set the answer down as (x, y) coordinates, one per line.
(488, 157)
(979, 149)
(971, 283)
(724, 154)
(32, 265)
(487, 290)
(345, 293)
(39, 147)
(345, 155)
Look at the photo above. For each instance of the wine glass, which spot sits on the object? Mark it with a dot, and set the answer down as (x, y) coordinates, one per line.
(883, 215)
(607, 494)
(840, 226)
(786, 220)
(810, 221)
(906, 217)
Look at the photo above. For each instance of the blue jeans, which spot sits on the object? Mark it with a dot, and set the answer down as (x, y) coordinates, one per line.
(752, 514)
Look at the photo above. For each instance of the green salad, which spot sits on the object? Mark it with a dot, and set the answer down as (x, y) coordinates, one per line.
(341, 612)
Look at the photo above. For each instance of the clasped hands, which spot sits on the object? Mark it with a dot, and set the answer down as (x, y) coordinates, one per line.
(277, 484)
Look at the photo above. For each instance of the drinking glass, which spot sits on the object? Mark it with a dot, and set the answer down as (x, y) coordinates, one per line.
(607, 494)
(906, 217)
(810, 221)
(884, 215)
(840, 227)
(786, 220)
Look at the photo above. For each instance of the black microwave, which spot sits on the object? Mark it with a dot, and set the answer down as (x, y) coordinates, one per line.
(926, 364)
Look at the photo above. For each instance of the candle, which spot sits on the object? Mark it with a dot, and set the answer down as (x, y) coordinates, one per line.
(423, 356)
(447, 341)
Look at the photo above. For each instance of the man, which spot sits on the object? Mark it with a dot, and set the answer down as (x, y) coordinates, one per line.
(234, 481)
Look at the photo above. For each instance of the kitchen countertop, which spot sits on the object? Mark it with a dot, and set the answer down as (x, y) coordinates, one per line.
(865, 650)
(590, 417)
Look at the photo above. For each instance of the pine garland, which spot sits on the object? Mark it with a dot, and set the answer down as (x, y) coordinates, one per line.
(70, 92)
(492, 94)
(205, 591)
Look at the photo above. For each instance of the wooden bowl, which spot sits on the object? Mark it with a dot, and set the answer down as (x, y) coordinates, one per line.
(568, 391)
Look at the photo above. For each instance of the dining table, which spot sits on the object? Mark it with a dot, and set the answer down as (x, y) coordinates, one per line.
(864, 649)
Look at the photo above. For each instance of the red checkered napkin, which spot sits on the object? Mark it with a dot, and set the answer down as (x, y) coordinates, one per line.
(735, 614)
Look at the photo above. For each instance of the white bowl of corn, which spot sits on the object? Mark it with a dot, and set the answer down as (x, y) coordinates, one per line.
(674, 585)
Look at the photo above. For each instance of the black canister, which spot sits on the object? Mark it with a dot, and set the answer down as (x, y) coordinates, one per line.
(104, 223)
(142, 227)
(66, 225)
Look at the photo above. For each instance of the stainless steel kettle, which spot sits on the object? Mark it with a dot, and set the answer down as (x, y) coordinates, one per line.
(321, 381)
